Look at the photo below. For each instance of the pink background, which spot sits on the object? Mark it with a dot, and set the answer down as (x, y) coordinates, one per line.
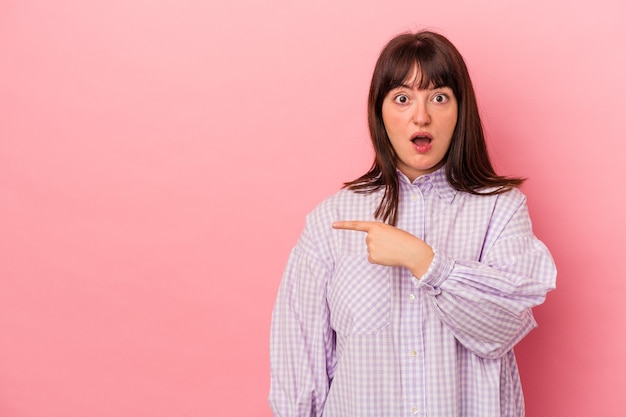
(157, 159)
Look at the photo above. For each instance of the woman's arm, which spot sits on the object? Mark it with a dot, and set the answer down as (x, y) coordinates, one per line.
(487, 303)
(302, 344)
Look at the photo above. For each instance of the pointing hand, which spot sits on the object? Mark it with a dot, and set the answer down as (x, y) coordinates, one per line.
(387, 245)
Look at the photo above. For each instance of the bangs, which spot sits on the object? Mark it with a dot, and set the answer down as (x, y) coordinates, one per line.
(419, 64)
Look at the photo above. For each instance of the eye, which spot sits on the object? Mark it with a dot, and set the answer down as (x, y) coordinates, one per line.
(441, 98)
(401, 99)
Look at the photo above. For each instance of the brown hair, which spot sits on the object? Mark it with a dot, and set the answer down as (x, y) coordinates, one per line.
(440, 64)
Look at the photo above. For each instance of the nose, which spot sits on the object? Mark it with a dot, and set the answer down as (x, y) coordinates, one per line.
(421, 115)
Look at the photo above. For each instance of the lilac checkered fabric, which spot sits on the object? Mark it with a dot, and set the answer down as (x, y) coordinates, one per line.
(350, 338)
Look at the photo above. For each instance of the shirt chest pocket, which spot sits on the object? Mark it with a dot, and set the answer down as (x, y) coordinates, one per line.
(359, 296)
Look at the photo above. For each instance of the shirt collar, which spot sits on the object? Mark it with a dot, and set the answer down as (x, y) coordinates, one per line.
(438, 180)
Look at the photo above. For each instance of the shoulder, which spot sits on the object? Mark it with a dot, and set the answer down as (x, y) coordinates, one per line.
(512, 198)
(346, 204)
(318, 235)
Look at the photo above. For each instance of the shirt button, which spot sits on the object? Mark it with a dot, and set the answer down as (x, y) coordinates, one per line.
(411, 297)
(414, 197)
(414, 410)
(413, 353)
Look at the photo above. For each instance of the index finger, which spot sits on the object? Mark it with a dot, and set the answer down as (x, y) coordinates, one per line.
(358, 225)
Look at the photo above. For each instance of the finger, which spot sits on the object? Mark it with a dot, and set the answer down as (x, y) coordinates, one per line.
(361, 226)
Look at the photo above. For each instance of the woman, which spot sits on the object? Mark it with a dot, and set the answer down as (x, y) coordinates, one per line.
(409, 288)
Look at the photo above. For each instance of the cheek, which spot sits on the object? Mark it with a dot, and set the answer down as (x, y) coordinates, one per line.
(392, 123)
(455, 117)
(450, 123)
(453, 124)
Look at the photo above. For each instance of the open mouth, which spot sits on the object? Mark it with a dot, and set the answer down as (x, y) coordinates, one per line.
(421, 140)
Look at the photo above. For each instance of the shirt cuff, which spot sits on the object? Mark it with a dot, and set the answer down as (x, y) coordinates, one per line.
(438, 271)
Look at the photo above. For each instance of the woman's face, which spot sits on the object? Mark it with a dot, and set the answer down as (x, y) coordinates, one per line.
(420, 124)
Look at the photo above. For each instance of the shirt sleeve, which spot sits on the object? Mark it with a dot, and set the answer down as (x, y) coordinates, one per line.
(302, 353)
(487, 304)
